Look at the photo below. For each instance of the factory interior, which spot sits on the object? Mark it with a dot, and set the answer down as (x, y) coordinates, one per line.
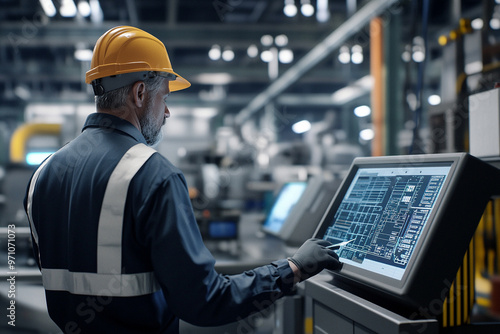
(284, 93)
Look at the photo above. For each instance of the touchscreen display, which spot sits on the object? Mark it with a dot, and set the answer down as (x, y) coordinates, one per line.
(287, 198)
(384, 212)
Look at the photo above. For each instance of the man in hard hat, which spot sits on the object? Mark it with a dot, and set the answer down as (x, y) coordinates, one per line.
(112, 224)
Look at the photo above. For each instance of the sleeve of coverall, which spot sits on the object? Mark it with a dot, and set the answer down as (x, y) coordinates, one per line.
(194, 291)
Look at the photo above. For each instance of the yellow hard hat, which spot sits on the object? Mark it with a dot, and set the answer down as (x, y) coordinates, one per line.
(124, 55)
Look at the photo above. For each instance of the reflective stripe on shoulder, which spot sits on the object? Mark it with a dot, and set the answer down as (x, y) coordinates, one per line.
(109, 235)
(113, 285)
(29, 200)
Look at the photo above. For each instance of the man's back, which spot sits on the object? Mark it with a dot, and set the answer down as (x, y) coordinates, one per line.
(66, 213)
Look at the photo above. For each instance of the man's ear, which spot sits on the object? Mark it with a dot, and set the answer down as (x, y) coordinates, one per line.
(139, 94)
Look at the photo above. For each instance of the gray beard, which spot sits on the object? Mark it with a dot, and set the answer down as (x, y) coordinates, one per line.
(150, 130)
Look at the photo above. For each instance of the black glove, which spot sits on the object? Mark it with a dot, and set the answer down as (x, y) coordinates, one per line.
(313, 256)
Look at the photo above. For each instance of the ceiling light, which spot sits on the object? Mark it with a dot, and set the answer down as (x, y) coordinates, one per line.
(301, 127)
(344, 55)
(252, 51)
(290, 9)
(202, 112)
(48, 8)
(434, 100)
(266, 56)
(215, 52)
(285, 56)
(84, 8)
(68, 8)
(221, 78)
(362, 111)
(228, 54)
(83, 55)
(306, 8)
(477, 24)
(266, 40)
(281, 40)
(322, 12)
(357, 54)
(495, 23)
(418, 56)
(366, 134)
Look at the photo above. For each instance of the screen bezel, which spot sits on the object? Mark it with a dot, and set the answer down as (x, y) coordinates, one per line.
(277, 198)
(366, 277)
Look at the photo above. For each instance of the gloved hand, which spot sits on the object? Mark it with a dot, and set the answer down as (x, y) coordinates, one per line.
(313, 256)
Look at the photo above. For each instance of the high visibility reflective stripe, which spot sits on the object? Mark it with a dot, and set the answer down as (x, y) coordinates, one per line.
(29, 201)
(108, 281)
(109, 235)
(116, 285)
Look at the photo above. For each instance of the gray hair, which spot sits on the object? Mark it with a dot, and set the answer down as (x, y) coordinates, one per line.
(116, 98)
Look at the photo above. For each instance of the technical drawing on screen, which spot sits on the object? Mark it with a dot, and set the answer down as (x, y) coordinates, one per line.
(410, 219)
(385, 211)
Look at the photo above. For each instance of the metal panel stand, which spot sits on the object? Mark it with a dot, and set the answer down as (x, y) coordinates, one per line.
(289, 315)
(338, 311)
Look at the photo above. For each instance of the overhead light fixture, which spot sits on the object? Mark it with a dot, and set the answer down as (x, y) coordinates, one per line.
(290, 9)
(477, 24)
(406, 55)
(84, 8)
(202, 112)
(83, 54)
(301, 127)
(344, 54)
(266, 56)
(495, 23)
(281, 40)
(418, 49)
(322, 12)
(253, 51)
(215, 52)
(306, 8)
(221, 78)
(434, 100)
(228, 54)
(285, 56)
(266, 40)
(68, 8)
(366, 134)
(357, 54)
(362, 111)
(48, 8)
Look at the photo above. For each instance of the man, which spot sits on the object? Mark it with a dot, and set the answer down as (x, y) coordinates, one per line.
(112, 225)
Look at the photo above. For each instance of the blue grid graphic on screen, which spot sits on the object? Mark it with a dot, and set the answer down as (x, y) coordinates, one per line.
(384, 211)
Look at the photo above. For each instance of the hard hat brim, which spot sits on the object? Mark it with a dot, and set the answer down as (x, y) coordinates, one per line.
(179, 83)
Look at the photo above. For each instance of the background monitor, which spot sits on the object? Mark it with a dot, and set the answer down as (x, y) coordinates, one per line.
(410, 219)
(286, 199)
(295, 223)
